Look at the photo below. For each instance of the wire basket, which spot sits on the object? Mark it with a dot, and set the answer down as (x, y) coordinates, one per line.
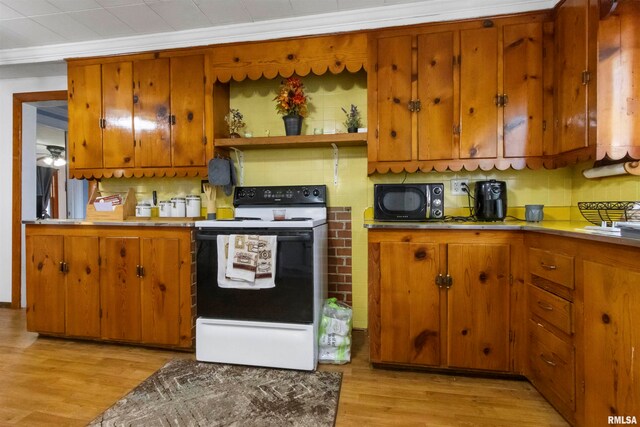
(596, 212)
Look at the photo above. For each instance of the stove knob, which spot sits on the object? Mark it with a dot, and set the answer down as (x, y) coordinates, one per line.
(241, 194)
(316, 192)
(252, 193)
(289, 194)
(305, 192)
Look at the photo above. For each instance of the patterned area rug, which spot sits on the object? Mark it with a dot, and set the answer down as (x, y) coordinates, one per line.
(190, 393)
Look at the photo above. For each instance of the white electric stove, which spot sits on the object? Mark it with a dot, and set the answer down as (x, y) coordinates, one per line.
(278, 326)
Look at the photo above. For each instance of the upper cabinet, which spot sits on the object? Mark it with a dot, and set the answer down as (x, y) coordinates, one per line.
(575, 69)
(619, 82)
(458, 95)
(144, 116)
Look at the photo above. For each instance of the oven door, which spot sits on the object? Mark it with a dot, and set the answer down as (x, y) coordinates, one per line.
(290, 301)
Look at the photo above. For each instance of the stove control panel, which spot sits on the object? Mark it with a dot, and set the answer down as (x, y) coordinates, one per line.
(280, 195)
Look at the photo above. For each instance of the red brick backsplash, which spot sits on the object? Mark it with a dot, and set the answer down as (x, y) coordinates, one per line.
(340, 284)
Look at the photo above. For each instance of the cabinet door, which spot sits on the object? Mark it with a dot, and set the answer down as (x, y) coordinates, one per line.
(478, 89)
(524, 86)
(45, 284)
(394, 94)
(187, 107)
(436, 93)
(120, 288)
(117, 100)
(85, 113)
(151, 107)
(478, 306)
(409, 303)
(571, 61)
(612, 338)
(160, 290)
(83, 286)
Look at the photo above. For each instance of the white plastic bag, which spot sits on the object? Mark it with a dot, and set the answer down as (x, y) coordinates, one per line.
(335, 333)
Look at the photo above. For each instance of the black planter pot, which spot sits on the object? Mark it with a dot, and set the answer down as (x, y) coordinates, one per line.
(292, 124)
(352, 130)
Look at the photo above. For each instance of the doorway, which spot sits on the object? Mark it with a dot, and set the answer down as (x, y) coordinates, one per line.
(16, 221)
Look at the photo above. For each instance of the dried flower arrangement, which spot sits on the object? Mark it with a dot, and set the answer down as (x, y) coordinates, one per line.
(235, 121)
(291, 99)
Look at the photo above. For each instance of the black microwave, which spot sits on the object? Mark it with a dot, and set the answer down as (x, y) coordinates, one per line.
(408, 202)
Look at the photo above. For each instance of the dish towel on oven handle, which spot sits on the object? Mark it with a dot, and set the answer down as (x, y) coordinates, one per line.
(246, 262)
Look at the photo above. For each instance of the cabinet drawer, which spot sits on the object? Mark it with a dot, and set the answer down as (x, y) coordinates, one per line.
(554, 267)
(552, 366)
(552, 309)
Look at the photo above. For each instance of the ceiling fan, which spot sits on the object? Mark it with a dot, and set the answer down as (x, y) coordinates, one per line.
(55, 157)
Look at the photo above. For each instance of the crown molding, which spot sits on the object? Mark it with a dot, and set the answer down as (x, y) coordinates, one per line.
(351, 20)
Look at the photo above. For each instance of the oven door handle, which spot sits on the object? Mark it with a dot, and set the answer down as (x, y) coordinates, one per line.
(301, 238)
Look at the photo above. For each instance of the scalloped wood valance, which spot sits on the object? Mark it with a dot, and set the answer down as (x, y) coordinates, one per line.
(270, 59)
(138, 173)
(470, 165)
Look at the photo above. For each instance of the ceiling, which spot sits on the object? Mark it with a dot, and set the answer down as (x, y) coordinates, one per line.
(49, 30)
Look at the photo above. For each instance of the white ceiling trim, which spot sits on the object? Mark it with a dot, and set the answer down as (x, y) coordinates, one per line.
(359, 19)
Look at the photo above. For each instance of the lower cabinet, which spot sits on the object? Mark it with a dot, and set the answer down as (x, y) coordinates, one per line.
(125, 284)
(584, 310)
(441, 298)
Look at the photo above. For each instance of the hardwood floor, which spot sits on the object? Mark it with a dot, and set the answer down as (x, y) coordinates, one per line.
(47, 381)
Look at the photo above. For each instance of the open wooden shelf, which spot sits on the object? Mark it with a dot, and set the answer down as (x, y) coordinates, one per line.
(302, 141)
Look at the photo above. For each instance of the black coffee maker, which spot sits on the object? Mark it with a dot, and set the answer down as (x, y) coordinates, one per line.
(491, 200)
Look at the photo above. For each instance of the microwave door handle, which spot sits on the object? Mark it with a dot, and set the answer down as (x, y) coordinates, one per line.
(428, 202)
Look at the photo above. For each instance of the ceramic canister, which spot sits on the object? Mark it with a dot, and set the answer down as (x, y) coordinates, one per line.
(178, 207)
(193, 206)
(164, 207)
(143, 210)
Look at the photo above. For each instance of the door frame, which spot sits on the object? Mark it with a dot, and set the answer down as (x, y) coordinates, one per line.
(16, 218)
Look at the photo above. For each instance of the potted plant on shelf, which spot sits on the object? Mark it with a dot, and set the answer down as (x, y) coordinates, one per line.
(291, 102)
(352, 122)
(235, 122)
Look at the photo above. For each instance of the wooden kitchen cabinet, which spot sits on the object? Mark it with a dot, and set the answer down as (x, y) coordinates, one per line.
(63, 292)
(423, 291)
(85, 112)
(46, 290)
(124, 284)
(120, 288)
(575, 54)
(457, 96)
(82, 304)
(147, 116)
(551, 291)
(612, 337)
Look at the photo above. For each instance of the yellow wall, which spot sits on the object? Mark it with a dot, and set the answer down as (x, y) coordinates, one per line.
(559, 190)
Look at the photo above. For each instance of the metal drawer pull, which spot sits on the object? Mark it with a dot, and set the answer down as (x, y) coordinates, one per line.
(543, 305)
(547, 266)
(547, 361)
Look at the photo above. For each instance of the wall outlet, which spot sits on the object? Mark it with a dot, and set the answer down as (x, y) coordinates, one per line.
(458, 186)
